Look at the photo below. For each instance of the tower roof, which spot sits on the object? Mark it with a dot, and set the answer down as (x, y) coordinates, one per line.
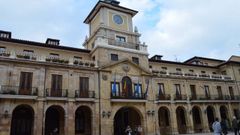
(111, 4)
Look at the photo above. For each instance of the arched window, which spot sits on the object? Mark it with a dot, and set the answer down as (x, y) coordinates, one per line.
(127, 87)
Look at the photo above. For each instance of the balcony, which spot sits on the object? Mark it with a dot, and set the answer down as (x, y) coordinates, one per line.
(17, 92)
(212, 98)
(56, 94)
(110, 42)
(163, 97)
(85, 95)
(27, 56)
(4, 54)
(180, 97)
(124, 97)
(191, 75)
(83, 63)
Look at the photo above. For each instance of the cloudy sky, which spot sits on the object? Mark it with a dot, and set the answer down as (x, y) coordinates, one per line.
(177, 29)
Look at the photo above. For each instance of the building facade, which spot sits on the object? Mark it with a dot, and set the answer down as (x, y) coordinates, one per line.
(48, 88)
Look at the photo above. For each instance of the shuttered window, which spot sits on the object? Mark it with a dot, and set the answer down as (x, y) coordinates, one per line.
(56, 88)
(84, 86)
(25, 82)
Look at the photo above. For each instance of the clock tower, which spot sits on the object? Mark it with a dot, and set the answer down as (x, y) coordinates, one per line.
(112, 36)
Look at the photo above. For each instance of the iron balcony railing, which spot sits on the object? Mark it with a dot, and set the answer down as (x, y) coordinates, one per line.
(214, 97)
(163, 97)
(84, 94)
(56, 92)
(180, 97)
(124, 95)
(16, 90)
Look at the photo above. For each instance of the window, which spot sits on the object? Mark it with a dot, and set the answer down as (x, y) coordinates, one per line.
(83, 86)
(150, 66)
(161, 90)
(120, 39)
(28, 52)
(191, 70)
(203, 72)
(164, 68)
(178, 69)
(137, 90)
(114, 57)
(239, 71)
(117, 91)
(224, 72)
(231, 92)
(93, 58)
(206, 89)
(2, 49)
(56, 88)
(214, 73)
(178, 89)
(25, 83)
(135, 60)
(219, 90)
(5, 35)
(193, 91)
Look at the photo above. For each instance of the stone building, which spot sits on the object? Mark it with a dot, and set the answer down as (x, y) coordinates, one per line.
(48, 88)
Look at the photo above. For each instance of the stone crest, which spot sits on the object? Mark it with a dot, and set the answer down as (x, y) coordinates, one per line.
(126, 67)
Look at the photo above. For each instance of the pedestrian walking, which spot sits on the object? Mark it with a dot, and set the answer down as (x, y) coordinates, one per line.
(224, 126)
(235, 125)
(128, 130)
(217, 127)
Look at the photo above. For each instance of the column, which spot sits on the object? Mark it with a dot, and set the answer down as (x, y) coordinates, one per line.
(38, 127)
(174, 120)
(70, 119)
(189, 119)
(204, 120)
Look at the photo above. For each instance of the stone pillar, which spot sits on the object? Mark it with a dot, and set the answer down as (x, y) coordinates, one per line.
(39, 119)
(174, 120)
(70, 119)
(230, 114)
(5, 124)
(217, 111)
(205, 120)
(189, 119)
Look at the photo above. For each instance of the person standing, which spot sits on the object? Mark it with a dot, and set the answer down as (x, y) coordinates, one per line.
(217, 127)
(235, 125)
(128, 130)
(224, 127)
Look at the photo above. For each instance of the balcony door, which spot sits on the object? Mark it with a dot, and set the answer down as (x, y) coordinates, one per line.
(25, 87)
(56, 89)
(231, 92)
(161, 91)
(84, 87)
(220, 94)
(193, 92)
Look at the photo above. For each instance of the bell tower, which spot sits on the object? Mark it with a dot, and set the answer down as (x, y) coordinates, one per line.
(112, 36)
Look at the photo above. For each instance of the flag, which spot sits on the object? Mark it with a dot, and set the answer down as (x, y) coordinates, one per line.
(146, 93)
(125, 85)
(114, 89)
(137, 90)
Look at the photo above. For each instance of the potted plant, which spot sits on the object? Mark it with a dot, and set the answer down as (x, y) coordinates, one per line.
(66, 61)
(75, 62)
(86, 64)
(48, 59)
(80, 63)
(92, 64)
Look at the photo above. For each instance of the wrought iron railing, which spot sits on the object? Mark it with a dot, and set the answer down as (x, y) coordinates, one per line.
(163, 97)
(56, 92)
(124, 95)
(16, 90)
(84, 94)
(180, 97)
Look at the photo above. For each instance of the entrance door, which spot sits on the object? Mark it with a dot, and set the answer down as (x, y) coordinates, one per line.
(126, 117)
(54, 121)
(22, 121)
(211, 117)
(181, 120)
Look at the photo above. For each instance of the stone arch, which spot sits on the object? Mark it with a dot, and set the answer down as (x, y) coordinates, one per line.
(164, 120)
(22, 120)
(128, 116)
(181, 119)
(197, 119)
(211, 114)
(55, 120)
(83, 121)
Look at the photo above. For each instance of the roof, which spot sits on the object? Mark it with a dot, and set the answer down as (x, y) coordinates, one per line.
(39, 44)
(179, 63)
(203, 58)
(100, 4)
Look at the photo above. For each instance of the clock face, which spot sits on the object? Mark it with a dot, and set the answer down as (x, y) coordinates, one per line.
(118, 19)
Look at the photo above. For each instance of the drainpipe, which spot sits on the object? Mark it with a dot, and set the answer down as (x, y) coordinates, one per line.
(99, 86)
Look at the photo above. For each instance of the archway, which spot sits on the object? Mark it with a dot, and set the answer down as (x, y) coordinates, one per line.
(197, 123)
(54, 120)
(127, 116)
(127, 87)
(83, 121)
(181, 120)
(211, 117)
(22, 120)
(223, 112)
(164, 121)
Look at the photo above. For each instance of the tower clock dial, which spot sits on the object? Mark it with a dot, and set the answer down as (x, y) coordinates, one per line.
(118, 19)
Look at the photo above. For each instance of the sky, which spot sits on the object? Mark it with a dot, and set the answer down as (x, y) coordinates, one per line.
(176, 29)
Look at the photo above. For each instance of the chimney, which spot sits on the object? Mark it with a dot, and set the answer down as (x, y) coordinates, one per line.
(51, 41)
(5, 34)
(157, 57)
(113, 2)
